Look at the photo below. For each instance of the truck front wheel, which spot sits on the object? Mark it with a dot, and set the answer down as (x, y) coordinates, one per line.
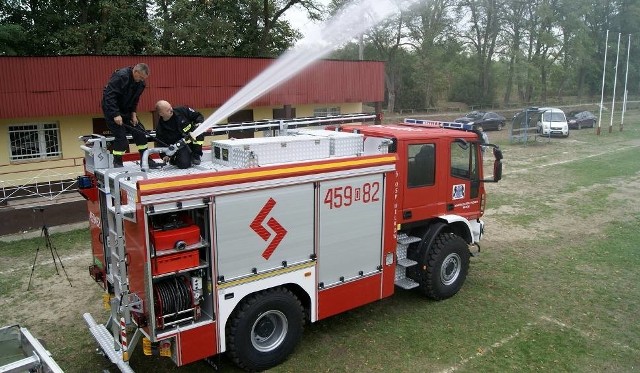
(445, 267)
(265, 329)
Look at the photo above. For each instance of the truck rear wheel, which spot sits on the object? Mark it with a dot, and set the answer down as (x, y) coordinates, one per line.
(265, 329)
(445, 267)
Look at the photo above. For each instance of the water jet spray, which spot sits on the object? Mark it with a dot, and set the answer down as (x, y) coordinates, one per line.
(351, 21)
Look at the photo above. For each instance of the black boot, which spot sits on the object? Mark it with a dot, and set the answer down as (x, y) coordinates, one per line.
(117, 161)
(152, 164)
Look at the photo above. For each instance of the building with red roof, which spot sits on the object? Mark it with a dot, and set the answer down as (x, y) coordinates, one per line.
(46, 103)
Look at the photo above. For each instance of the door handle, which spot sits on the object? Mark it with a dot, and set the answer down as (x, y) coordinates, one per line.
(406, 214)
(450, 206)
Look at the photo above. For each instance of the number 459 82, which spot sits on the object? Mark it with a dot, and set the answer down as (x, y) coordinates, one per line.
(346, 196)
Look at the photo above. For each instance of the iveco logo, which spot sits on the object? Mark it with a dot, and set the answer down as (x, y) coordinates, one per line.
(258, 227)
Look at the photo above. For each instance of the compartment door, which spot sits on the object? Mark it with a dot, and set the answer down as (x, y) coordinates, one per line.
(350, 228)
(261, 229)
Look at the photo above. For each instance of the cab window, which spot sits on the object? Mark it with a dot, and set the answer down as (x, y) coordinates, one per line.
(464, 161)
(422, 165)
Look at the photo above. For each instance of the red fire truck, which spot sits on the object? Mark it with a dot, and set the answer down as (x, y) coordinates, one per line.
(295, 225)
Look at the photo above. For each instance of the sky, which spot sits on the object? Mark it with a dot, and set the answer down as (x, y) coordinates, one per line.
(298, 18)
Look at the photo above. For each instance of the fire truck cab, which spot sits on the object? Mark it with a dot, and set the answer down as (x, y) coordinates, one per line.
(236, 254)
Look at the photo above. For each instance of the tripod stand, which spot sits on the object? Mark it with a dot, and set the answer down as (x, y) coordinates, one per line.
(44, 233)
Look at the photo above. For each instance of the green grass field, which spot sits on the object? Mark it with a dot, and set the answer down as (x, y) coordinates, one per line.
(555, 289)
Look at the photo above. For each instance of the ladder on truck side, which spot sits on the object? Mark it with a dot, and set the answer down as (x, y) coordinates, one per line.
(113, 336)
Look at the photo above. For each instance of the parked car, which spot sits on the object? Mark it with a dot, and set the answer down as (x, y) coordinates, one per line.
(488, 120)
(552, 121)
(581, 119)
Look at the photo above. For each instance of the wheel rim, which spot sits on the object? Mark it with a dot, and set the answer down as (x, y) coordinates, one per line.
(269, 330)
(450, 269)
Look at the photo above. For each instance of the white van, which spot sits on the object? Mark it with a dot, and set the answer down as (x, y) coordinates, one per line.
(552, 121)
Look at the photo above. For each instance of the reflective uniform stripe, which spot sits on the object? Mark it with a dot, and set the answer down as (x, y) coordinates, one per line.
(118, 152)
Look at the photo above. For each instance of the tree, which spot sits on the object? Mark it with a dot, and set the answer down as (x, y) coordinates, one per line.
(485, 19)
(428, 29)
(272, 13)
(12, 39)
(514, 13)
(221, 27)
(384, 42)
(54, 27)
(226, 27)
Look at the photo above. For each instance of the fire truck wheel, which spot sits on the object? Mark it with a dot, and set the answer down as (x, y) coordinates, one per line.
(445, 267)
(265, 329)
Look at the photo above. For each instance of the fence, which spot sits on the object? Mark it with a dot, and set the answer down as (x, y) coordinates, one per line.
(42, 187)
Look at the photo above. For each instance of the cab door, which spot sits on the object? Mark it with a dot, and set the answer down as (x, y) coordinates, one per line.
(422, 186)
(463, 189)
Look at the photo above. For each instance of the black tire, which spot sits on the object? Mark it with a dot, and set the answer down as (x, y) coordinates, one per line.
(264, 329)
(445, 267)
(500, 126)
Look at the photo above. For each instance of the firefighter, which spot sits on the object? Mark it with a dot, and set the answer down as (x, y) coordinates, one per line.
(119, 102)
(175, 124)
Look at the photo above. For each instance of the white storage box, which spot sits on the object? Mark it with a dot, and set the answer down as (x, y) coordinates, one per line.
(244, 153)
(342, 143)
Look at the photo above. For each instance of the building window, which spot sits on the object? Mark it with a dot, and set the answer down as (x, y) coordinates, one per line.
(325, 111)
(34, 141)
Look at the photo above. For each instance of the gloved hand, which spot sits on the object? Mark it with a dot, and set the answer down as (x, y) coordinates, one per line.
(172, 149)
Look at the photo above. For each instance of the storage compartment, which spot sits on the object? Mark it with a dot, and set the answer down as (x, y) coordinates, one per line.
(341, 143)
(178, 238)
(254, 152)
(175, 262)
(176, 300)
(180, 267)
(173, 231)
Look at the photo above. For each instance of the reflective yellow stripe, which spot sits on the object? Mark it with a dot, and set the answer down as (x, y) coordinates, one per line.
(281, 172)
(262, 276)
(186, 128)
(117, 152)
(142, 147)
(198, 142)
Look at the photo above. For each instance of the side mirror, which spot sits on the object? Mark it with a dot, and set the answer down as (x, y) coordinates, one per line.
(497, 153)
(497, 164)
(497, 170)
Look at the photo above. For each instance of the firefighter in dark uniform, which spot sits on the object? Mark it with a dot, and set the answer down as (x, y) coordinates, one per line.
(175, 124)
(119, 102)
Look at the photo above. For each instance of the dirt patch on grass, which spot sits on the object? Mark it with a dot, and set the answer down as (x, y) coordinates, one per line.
(51, 299)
